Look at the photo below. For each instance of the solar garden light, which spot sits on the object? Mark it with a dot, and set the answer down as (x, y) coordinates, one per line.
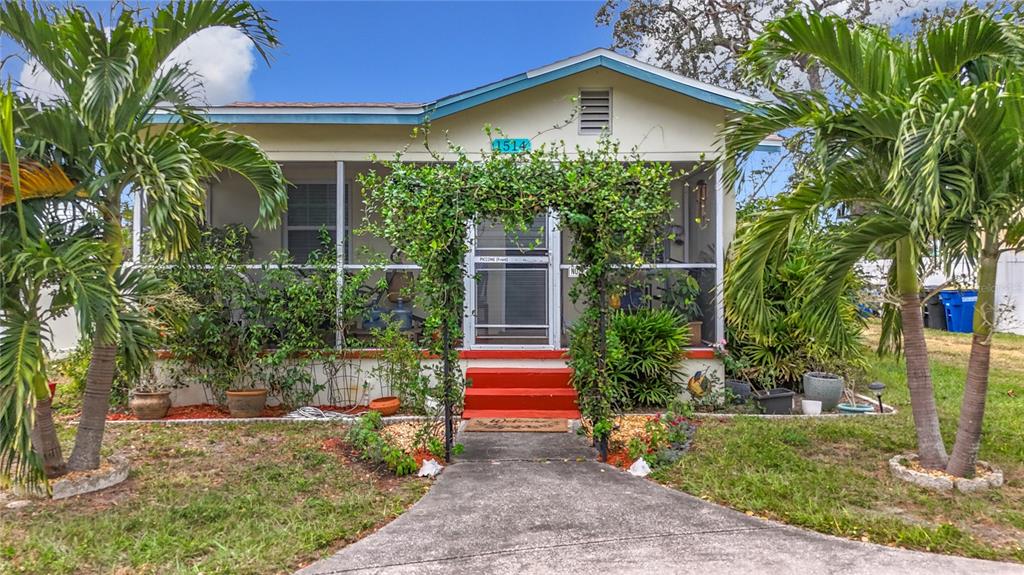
(877, 388)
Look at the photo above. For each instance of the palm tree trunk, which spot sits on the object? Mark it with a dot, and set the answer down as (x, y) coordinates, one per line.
(972, 409)
(91, 424)
(44, 439)
(931, 450)
(102, 365)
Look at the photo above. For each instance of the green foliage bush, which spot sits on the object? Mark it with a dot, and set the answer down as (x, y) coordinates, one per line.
(644, 350)
(781, 354)
(365, 436)
(253, 329)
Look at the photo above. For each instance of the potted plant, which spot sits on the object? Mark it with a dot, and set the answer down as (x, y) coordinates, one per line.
(244, 398)
(244, 403)
(151, 398)
(683, 296)
(824, 387)
(735, 381)
(398, 371)
(775, 400)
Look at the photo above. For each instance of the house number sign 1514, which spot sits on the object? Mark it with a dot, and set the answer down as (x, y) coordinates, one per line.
(511, 145)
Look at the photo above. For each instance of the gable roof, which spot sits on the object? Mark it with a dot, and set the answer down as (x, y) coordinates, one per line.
(417, 113)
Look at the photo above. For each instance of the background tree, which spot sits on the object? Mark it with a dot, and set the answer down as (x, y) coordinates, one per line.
(114, 77)
(705, 39)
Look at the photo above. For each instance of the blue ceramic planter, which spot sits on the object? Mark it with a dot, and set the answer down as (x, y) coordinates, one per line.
(851, 409)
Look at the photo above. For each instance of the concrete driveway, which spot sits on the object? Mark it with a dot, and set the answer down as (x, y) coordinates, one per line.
(537, 503)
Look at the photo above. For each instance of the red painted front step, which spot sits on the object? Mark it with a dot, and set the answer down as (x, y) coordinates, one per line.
(520, 392)
(520, 398)
(481, 377)
(521, 414)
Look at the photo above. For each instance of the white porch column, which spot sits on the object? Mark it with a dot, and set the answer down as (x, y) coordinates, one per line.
(138, 197)
(719, 255)
(469, 285)
(554, 282)
(340, 235)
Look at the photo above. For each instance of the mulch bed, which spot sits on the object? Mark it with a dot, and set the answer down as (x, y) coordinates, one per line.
(619, 458)
(210, 411)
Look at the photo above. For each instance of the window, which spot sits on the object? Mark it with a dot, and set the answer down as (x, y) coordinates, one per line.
(310, 208)
(595, 111)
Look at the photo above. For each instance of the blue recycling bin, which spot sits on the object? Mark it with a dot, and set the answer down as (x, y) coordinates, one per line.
(959, 306)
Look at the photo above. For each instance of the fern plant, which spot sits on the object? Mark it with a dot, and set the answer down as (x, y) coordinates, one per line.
(645, 347)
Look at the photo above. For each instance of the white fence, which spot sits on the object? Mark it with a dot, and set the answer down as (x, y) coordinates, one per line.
(1009, 286)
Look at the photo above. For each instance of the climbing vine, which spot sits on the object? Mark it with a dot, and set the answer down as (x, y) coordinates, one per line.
(617, 210)
(616, 207)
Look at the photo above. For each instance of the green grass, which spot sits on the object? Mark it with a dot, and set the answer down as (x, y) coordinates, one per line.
(831, 475)
(208, 499)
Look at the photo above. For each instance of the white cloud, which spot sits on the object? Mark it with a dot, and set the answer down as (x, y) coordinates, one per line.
(895, 11)
(37, 82)
(223, 58)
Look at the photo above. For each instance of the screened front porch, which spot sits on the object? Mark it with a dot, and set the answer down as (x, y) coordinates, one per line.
(518, 295)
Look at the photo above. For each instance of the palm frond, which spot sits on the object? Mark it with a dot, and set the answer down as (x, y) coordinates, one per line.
(865, 58)
(242, 155)
(22, 373)
(37, 180)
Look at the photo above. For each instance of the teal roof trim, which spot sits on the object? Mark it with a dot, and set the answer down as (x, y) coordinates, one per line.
(456, 103)
(289, 118)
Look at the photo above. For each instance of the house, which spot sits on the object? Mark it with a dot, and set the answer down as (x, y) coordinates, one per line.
(517, 305)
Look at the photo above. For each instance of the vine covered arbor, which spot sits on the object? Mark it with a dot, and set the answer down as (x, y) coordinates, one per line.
(615, 207)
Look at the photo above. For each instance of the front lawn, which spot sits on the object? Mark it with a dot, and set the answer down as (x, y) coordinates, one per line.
(219, 498)
(831, 474)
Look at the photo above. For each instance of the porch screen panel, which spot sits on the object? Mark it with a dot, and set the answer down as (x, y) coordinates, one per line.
(311, 207)
(512, 304)
(512, 285)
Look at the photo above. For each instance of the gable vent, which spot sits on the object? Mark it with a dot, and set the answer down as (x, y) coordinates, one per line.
(595, 111)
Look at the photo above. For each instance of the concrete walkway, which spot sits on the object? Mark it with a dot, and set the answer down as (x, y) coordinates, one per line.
(537, 503)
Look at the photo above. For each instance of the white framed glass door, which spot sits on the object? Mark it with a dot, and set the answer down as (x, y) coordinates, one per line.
(511, 298)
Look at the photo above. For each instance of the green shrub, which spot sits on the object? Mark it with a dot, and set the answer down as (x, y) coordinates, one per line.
(365, 436)
(258, 329)
(645, 347)
(781, 354)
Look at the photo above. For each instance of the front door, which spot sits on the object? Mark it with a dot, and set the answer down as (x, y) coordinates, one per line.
(512, 297)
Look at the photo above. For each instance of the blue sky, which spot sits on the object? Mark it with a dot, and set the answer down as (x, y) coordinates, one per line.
(416, 51)
(391, 51)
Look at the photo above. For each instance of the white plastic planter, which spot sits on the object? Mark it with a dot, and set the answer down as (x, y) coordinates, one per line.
(810, 407)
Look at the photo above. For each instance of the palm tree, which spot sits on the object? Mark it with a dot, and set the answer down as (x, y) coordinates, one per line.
(960, 165)
(855, 143)
(115, 78)
(72, 271)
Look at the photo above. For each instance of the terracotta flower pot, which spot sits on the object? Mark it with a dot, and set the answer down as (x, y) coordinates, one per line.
(695, 335)
(247, 402)
(385, 405)
(150, 404)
